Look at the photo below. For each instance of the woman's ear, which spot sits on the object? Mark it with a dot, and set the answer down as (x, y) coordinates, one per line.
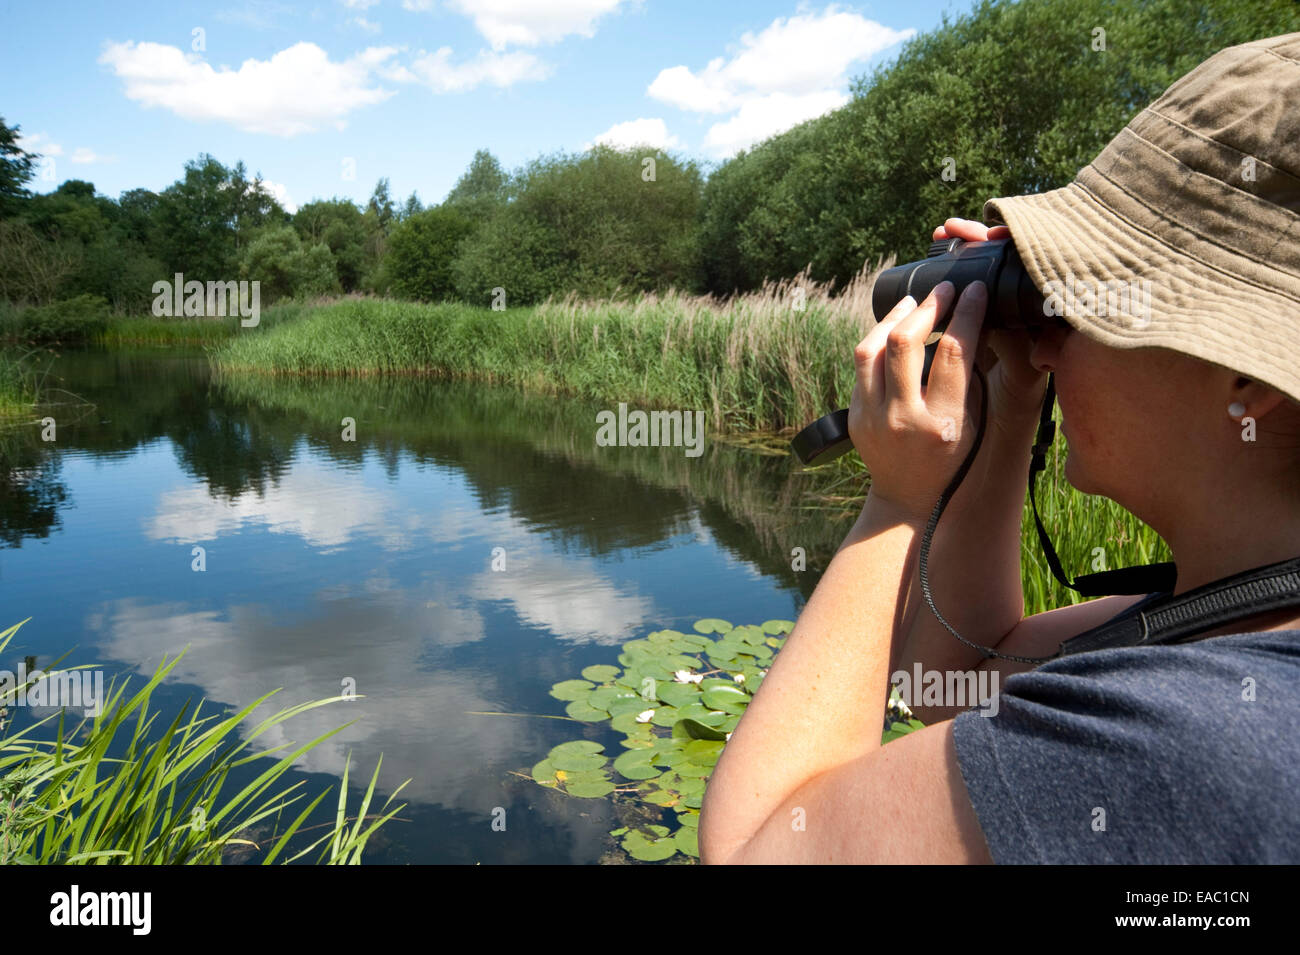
(1257, 398)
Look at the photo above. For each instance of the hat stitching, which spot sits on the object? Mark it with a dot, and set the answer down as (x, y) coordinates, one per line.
(1281, 236)
(1281, 56)
(1267, 290)
(1162, 216)
(1206, 139)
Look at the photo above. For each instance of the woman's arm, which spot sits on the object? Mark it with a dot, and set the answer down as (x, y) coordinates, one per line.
(820, 708)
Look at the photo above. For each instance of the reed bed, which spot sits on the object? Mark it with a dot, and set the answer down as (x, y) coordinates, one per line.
(766, 360)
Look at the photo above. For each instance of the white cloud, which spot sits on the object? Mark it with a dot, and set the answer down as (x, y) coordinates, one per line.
(637, 132)
(39, 143)
(297, 90)
(417, 6)
(764, 116)
(794, 69)
(530, 23)
(363, 24)
(84, 156)
(440, 74)
(359, 4)
(281, 193)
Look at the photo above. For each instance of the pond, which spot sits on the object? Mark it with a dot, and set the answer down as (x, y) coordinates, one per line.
(450, 551)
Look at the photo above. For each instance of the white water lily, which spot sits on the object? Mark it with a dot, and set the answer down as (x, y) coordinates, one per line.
(728, 739)
(686, 676)
(645, 716)
(739, 678)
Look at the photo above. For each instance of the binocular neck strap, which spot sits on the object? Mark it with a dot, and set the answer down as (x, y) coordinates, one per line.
(1144, 579)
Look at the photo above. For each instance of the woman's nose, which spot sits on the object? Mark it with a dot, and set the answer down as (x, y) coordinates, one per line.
(1047, 347)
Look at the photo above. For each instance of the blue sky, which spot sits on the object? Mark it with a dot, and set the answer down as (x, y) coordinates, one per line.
(324, 98)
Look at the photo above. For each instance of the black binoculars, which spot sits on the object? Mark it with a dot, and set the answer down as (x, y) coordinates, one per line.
(1014, 302)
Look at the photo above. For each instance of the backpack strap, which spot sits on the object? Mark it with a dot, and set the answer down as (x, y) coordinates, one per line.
(1170, 619)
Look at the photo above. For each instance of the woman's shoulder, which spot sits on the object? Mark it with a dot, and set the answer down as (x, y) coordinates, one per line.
(1188, 750)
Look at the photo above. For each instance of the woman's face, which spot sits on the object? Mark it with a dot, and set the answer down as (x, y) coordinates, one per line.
(1128, 415)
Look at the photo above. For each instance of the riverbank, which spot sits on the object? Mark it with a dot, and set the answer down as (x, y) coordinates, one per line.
(769, 361)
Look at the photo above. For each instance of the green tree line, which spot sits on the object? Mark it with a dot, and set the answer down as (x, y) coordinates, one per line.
(1012, 97)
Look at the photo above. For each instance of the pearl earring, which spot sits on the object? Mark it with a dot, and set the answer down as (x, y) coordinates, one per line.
(1236, 409)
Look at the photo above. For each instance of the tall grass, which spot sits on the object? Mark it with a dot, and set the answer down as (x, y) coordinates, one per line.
(19, 386)
(771, 359)
(163, 802)
(148, 330)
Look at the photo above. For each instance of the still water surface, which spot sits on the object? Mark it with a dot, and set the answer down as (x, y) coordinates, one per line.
(372, 561)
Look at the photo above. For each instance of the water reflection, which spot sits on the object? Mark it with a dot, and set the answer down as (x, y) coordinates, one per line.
(470, 548)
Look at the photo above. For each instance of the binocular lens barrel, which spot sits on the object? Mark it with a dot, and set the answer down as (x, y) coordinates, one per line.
(1014, 302)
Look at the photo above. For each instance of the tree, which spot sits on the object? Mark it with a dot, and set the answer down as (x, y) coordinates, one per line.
(15, 170)
(421, 250)
(410, 207)
(206, 218)
(482, 189)
(338, 224)
(283, 267)
(591, 223)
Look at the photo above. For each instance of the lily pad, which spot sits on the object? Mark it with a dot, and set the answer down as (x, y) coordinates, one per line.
(690, 820)
(635, 764)
(581, 710)
(694, 729)
(630, 704)
(704, 752)
(723, 697)
(602, 698)
(577, 746)
(600, 673)
(777, 627)
(712, 625)
(577, 762)
(649, 848)
(678, 694)
(544, 773)
(661, 797)
(626, 723)
(664, 716)
(590, 790)
(572, 689)
(688, 841)
(680, 661)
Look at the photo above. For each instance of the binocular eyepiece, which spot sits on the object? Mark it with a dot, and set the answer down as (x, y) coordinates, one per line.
(1014, 302)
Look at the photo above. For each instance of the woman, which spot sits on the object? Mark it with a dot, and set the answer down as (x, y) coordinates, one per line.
(1188, 416)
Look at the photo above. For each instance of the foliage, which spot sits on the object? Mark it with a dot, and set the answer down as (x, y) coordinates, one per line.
(278, 260)
(70, 321)
(338, 224)
(204, 221)
(15, 169)
(1013, 93)
(481, 190)
(591, 223)
(420, 252)
(165, 801)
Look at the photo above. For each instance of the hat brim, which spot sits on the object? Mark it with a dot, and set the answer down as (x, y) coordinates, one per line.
(1069, 239)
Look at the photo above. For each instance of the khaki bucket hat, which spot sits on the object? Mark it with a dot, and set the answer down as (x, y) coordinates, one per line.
(1193, 210)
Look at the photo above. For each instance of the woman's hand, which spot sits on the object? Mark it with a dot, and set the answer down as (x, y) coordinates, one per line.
(1016, 387)
(912, 440)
